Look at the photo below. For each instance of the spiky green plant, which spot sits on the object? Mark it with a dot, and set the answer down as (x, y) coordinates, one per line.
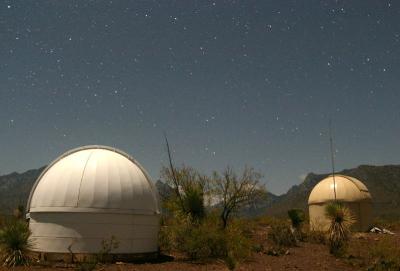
(297, 217)
(339, 230)
(194, 202)
(14, 242)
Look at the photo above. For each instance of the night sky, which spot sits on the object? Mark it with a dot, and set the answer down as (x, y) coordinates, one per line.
(230, 83)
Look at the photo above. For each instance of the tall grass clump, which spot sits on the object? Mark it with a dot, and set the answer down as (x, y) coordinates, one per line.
(384, 255)
(281, 236)
(14, 242)
(341, 220)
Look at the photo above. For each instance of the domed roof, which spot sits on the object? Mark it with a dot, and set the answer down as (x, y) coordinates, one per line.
(94, 179)
(348, 189)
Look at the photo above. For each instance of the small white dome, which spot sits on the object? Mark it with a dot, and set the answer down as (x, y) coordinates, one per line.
(348, 189)
(94, 179)
(350, 192)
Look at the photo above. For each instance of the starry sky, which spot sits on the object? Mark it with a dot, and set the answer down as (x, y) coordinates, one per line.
(230, 82)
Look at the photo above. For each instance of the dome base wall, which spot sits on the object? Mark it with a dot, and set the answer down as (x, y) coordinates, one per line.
(361, 212)
(86, 232)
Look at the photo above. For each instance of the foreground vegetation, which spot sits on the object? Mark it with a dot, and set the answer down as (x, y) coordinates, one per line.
(201, 224)
(199, 215)
(244, 243)
(14, 242)
(200, 231)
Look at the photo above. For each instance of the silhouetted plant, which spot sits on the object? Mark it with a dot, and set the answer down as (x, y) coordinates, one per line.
(297, 217)
(193, 200)
(339, 230)
(14, 242)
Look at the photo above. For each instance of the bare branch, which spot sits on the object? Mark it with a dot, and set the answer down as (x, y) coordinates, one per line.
(236, 192)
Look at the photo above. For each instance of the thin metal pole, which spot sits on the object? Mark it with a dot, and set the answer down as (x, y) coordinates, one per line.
(174, 175)
(332, 157)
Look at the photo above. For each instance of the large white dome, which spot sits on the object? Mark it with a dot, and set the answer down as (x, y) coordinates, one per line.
(94, 179)
(89, 195)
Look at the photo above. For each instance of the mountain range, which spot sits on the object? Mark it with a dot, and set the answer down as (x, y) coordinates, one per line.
(383, 183)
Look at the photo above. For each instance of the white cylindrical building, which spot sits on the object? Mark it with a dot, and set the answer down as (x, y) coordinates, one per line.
(350, 192)
(89, 195)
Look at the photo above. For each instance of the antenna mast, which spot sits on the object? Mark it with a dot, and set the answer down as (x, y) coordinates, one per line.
(332, 157)
(173, 173)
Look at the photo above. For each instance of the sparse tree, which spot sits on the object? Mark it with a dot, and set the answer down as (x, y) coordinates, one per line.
(234, 192)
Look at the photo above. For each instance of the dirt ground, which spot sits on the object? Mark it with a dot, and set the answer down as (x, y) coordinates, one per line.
(306, 256)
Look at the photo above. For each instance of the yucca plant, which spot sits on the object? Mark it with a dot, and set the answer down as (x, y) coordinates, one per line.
(193, 200)
(339, 230)
(297, 217)
(14, 242)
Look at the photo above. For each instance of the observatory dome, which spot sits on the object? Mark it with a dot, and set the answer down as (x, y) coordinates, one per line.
(88, 195)
(348, 189)
(350, 192)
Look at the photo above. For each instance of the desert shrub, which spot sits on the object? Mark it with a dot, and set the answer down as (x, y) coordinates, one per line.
(297, 217)
(384, 255)
(316, 236)
(166, 237)
(281, 236)
(14, 242)
(202, 242)
(230, 262)
(87, 266)
(103, 256)
(264, 220)
(205, 239)
(339, 229)
(107, 245)
(188, 228)
(315, 233)
(239, 244)
(188, 190)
